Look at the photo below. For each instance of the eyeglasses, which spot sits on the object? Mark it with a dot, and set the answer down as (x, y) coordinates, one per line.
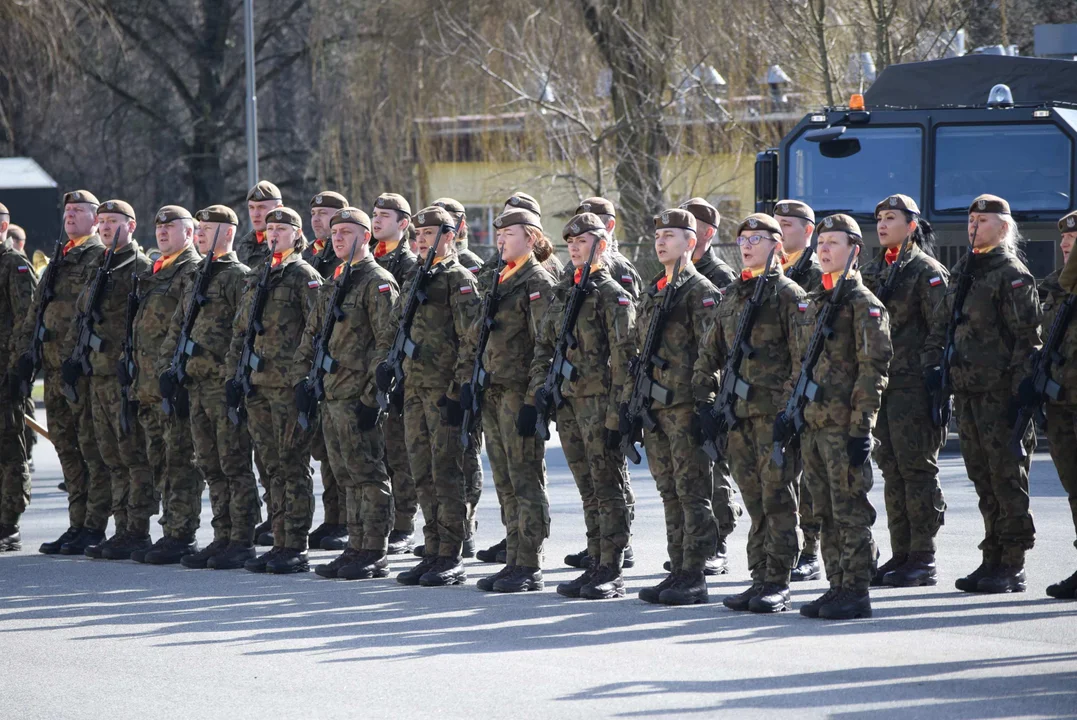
(753, 239)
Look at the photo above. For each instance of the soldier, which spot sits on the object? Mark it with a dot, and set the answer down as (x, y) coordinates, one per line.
(251, 248)
(836, 441)
(391, 221)
(124, 453)
(272, 419)
(680, 469)
(321, 257)
(908, 448)
(17, 284)
(769, 492)
(544, 250)
(588, 421)
(621, 268)
(508, 417)
(801, 265)
(16, 236)
(465, 257)
(350, 413)
(434, 375)
(999, 331)
(222, 452)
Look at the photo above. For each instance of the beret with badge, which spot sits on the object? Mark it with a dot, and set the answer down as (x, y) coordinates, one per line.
(841, 223)
(898, 202)
(517, 217)
(453, 206)
(218, 214)
(80, 196)
(351, 215)
(285, 216)
(329, 199)
(120, 207)
(434, 216)
(523, 201)
(392, 201)
(598, 206)
(1068, 223)
(703, 210)
(675, 219)
(794, 208)
(168, 213)
(989, 204)
(760, 221)
(583, 223)
(264, 190)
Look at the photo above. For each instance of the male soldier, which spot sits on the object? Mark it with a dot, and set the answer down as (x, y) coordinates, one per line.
(350, 413)
(801, 265)
(133, 502)
(222, 452)
(321, 257)
(17, 284)
(769, 492)
(273, 423)
(81, 463)
(390, 222)
(251, 248)
(621, 268)
(434, 374)
(678, 464)
(465, 257)
(16, 236)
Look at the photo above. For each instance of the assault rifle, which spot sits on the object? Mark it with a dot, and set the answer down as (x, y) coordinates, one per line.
(239, 387)
(887, 289)
(29, 363)
(942, 398)
(800, 270)
(479, 377)
(126, 370)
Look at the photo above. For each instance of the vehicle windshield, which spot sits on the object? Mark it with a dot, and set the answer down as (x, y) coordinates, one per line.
(888, 162)
(1029, 165)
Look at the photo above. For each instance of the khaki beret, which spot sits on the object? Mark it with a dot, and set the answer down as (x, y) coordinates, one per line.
(329, 199)
(517, 217)
(434, 216)
(598, 206)
(675, 218)
(16, 233)
(392, 201)
(703, 210)
(523, 201)
(449, 204)
(218, 214)
(171, 212)
(583, 223)
(1067, 224)
(841, 222)
(794, 208)
(3, 209)
(81, 196)
(284, 215)
(761, 221)
(352, 215)
(897, 202)
(264, 190)
(116, 206)
(989, 204)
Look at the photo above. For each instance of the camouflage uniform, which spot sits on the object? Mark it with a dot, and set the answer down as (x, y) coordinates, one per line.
(605, 336)
(471, 262)
(222, 452)
(624, 273)
(769, 492)
(553, 265)
(252, 251)
(271, 414)
(993, 353)
(852, 375)
(908, 447)
(1062, 413)
(360, 339)
(18, 280)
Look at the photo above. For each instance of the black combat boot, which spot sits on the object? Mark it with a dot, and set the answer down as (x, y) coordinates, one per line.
(411, 576)
(10, 539)
(446, 571)
(326, 530)
(1065, 590)
(522, 579)
(919, 569)
(62, 487)
(1004, 579)
(233, 557)
(690, 589)
(263, 534)
(330, 569)
(772, 598)
(172, 551)
(53, 548)
(847, 605)
(468, 550)
(288, 561)
(582, 560)
(811, 609)
(807, 568)
(419, 551)
(369, 564)
(487, 583)
(97, 551)
(606, 583)
(258, 564)
(741, 600)
(400, 542)
(651, 594)
(139, 556)
(83, 540)
(889, 566)
(124, 547)
(571, 589)
(200, 559)
(971, 582)
(494, 553)
(334, 543)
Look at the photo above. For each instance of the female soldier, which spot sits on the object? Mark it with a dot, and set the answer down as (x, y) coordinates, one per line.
(908, 448)
(993, 344)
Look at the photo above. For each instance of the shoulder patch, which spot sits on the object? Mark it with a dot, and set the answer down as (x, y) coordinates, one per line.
(935, 281)
(313, 284)
(626, 279)
(708, 301)
(875, 312)
(23, 268)
(466, 289)
(474, 268)
(1019, 282)
(384, 287)
(534, 296)
(802, 306)
(621, 300)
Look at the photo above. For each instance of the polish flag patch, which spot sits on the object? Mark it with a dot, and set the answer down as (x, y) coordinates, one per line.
(313, 284)
(384, 287)
(875, 312)
(935, 281)
(802, 307)
(626, 279)
(474, 268)
(24, 268)
(466, 289)
(1019, 282)
(708, 302)
(624, 301)
(534, 296)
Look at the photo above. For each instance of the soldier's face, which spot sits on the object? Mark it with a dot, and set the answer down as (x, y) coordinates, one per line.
(172, 236)
(345, 236)
(108, 224)
(834, 249)
(673, 243)
(425, 238)
(796, 232)
(258, 209)
(79, 219)
(514, 243)
(579, 248)
(387, 225)
(203, 237)
(319, 221)
(755, 256)
(1068, 239)
(893, 228)
(281, 236)
(988, 229)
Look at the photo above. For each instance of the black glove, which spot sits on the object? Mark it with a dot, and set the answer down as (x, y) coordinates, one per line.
(783, 427)
(541, 399)
(233, 393)
(859, 448)
(166, 382)
(71, 371)
(527, 421)
(612, 439)
(933, 379)
(182, 403)
(624, 424)
(452, 413)
(708, 423)
(1013, 407)
(1027, 395)
(368, 417)
(303, 398)
(383, 376)
(466, 398)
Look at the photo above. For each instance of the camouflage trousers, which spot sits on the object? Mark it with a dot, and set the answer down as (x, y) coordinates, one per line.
(178, 484)
(29, 409)
(133, 499)
(358, 459)
(334, 495)
(405, 499)
(809, 523)
(683, 476)
(472, 468)
(725, 507)
(599, 475)
(89, 492)
(771, 495)
(1000, 479)
(840, 497)
(519, 468)
(222, 453)
(907, 453)
(284, 447)
(14, 470)
(1062, 434)
(435, 457)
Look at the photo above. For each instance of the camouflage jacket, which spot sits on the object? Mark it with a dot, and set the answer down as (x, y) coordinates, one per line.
(693, 311)
(510, 357)
(322, 258)
(159, 294)
(112, 329)
(360, 340)
(918, 291)
(1052, 296)
(1001, 325)
(251, 252)
(776, 357)
(553, 265)
(852, 368)
(605, 336)
(18, 280)
(212, 331)
(811, 278)
(400, 262)
(715, 269)
(441, 329)
(469, 260)
(621, 271)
